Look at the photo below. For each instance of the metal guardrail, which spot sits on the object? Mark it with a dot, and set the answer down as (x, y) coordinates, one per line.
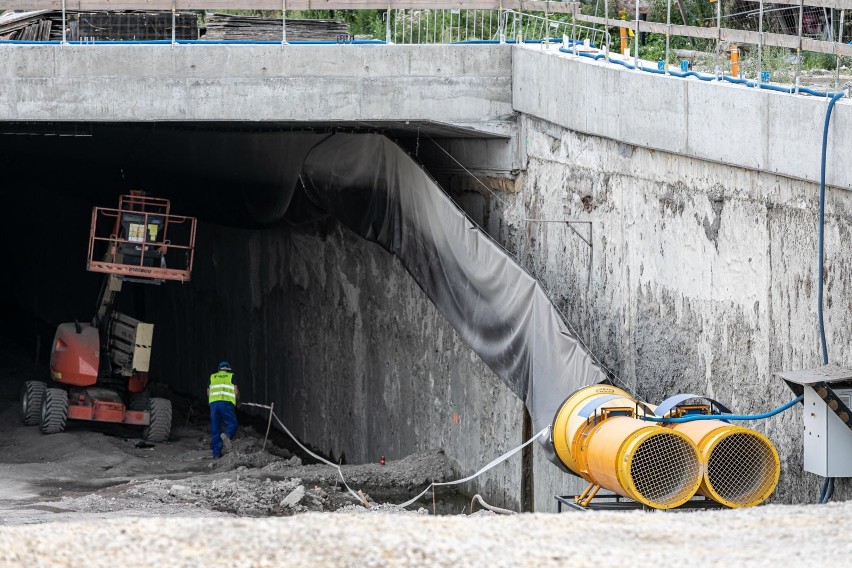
(800, 14)
(448, 21)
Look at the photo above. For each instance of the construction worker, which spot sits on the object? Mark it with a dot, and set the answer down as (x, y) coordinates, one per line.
(223, 395)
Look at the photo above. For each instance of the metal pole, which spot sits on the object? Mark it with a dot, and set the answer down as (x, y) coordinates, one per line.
(174, 18)
(668, 32)
(799, 48)
(760, 47)
(636, 57)
(546, 25)
(501, 23)
(606, 28)
(268, 427)
(443, 22)
(283, 22)
(718, 39)
(64, 24)
(574, 35)
(837, 51)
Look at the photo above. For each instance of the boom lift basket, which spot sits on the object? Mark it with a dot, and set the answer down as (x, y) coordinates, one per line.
(141, 240)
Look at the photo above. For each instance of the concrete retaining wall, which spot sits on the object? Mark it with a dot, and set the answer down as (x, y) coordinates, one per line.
(461, 85)
(720, 122)
(701, 277)
(332, 329)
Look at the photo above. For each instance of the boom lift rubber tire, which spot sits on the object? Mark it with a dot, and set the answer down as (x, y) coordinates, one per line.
(32, 397)
(160, 428)
(54, 411)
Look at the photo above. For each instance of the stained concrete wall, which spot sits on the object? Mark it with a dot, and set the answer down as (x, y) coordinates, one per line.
(332, 329)
(459, 85)
(720, 122)
(702, 272)
(701, 277)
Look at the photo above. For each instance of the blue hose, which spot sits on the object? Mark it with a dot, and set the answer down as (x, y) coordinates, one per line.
(828, 111)
(827, 491)
(693, 417)
(828, 484)
(700, 76)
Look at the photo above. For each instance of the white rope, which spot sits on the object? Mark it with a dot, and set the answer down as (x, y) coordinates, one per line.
(495, 462)
(490, 465)
(307, 451)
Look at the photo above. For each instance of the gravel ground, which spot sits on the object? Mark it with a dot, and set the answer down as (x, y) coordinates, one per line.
(764, 536)
(82, 474)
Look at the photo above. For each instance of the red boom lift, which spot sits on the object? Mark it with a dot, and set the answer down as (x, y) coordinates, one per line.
(100, 369)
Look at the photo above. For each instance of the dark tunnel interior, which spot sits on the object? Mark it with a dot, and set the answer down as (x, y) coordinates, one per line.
(228, 176)
(330, 270)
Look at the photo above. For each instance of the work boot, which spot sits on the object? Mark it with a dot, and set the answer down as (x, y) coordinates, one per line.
(226, 442)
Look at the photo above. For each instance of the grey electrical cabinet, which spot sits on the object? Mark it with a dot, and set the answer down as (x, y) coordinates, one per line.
(828, 441)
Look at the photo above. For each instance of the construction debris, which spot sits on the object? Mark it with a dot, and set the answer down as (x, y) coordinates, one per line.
(39, 25)
(44, 25)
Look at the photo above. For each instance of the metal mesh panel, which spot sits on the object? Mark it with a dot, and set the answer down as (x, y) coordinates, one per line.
(742, 469)
(665, 468)
(117, 26)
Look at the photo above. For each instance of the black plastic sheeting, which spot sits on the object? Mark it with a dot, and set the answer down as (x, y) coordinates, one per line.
(374, 188)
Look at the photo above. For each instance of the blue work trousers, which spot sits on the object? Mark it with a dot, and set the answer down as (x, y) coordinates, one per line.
(221, 411)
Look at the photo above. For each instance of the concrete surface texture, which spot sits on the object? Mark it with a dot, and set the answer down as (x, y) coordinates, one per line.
(719, 122)
(701, 277)
(332, 330)
(766, 536)
(462, 85)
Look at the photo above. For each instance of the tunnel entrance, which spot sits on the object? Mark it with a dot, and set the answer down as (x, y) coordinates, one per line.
(332, 292)
(308, 313)
(289, 285)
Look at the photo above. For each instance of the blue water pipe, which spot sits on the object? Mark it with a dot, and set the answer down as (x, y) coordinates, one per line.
(821, 253)
(828, 485)
(694, 417)
(700, 76)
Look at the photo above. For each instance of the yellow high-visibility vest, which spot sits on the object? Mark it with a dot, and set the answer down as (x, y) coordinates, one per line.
(221, 388)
